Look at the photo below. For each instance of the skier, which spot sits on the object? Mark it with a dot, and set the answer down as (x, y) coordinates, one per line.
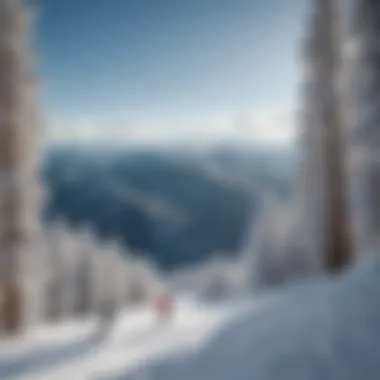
(164, 307)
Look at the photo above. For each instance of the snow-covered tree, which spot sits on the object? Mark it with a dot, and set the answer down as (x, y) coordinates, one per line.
(142, 282)
(19, 156)
(363, 136)
(310, 233)
(94, 272)
(59, 287)
(82, 268)
(121, 275)
(52, 283)
(69, 251)
(100, 279)
(323, 230)
(277, 258)
(114, 273)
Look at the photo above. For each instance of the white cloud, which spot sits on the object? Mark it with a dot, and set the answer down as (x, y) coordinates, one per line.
(269, 125)
(265, 125)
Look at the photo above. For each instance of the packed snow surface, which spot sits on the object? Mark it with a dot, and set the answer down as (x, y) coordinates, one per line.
(70, 351)
(328, 329)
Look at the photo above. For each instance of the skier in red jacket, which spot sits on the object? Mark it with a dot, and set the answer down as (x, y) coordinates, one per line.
(163, 306)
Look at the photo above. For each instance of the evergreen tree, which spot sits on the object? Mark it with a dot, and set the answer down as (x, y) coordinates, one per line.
(19, 197)
(322, 191)
(363, 136)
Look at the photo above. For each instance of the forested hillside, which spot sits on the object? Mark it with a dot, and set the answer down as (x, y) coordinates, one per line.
(177, 206)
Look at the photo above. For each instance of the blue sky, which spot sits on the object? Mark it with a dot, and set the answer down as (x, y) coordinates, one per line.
(167, 64)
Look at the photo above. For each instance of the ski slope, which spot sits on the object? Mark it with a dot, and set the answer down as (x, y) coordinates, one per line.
(324, 329)
(69, 351)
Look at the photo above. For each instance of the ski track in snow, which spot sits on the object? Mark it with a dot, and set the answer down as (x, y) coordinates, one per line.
(69, 352)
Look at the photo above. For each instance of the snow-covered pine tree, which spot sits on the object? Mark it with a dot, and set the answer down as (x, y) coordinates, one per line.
(309, 234)
(363, 136)
(96, 274)
(62, 262)
(68, 250)
(112, 273)
(142, 281)
(19, 193)
(82, 272)
(100, 275)
(261, 256)
(120, 275)
(321, 189)
(54, 284)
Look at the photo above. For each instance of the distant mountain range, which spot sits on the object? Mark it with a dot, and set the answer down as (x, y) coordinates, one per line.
(175, 206)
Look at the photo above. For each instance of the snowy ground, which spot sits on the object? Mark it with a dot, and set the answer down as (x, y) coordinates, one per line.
(69, 352)
(326, 329)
